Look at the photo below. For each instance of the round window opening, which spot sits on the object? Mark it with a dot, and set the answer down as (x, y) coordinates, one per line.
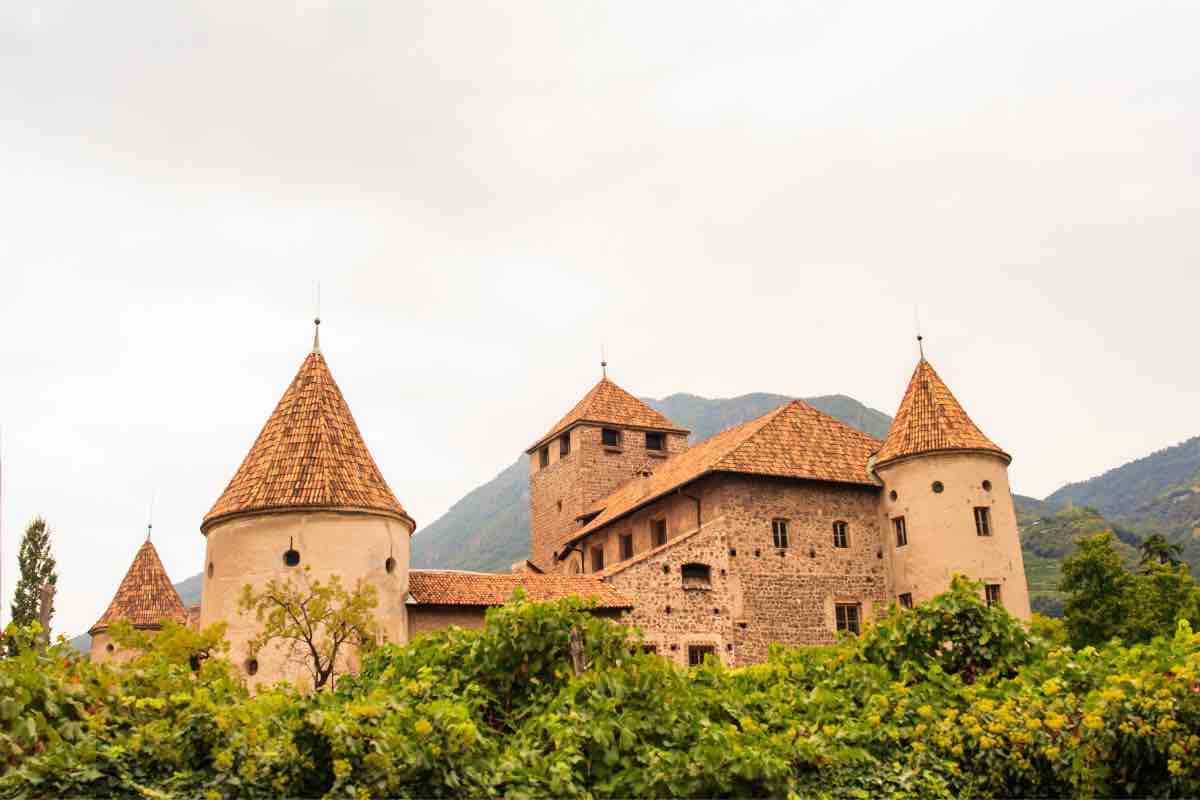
(291, 557)
(210, 569)
(251, 666)
(987, 486)
(893, 495)
(109, 647)
(938, 487)
(390, 565)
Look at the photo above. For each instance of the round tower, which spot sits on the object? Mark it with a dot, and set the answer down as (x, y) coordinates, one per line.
(946, 503)
(307, 494)
(145, 599)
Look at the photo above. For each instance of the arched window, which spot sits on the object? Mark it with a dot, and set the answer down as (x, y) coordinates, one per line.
(696, 576)
(841, 534)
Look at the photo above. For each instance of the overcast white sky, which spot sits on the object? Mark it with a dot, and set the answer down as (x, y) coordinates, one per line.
(734, 197)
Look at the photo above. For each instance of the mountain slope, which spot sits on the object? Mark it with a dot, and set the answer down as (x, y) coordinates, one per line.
(488, 529)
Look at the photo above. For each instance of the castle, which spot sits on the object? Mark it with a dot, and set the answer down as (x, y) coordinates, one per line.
(788, 528)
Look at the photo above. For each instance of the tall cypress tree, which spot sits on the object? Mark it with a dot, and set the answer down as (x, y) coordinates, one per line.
(37, 569)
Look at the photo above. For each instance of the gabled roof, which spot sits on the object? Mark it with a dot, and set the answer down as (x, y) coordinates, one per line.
(449, 588)
(609, 404)
(931, 420)
(309, 456)
(792, 441)
(145, 597)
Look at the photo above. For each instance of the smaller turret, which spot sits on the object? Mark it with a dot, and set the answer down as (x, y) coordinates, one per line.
(947, 505)
(144, 599)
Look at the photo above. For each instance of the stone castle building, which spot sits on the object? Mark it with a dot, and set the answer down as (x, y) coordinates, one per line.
(788, 528)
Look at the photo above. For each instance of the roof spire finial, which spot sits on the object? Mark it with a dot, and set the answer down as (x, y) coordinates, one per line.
(603, 363)
(317, 322)
(150, 517)
(920, 338)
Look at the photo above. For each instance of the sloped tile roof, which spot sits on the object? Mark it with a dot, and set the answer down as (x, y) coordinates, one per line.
(792, 441)
(609, 404)
(309, 455)
(145, 597)
(448, 588)
(930, 419)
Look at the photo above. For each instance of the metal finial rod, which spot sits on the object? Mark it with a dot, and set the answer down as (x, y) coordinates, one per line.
(316, 335)
(921, 346)
(150, 517)
(603, 362)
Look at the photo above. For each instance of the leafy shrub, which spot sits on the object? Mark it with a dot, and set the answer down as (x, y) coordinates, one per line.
(951, 699)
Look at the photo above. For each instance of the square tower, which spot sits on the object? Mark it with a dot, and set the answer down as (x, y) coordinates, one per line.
(605, 441)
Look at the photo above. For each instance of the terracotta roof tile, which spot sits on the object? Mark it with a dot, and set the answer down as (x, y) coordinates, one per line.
(438, 588)
(309, 455)
(608, 403)
(792, 441)
(930, 419)
(145, 597)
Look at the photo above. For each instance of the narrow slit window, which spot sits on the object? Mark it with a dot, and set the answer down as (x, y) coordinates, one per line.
(658, 532)
(626, 546)
(901, 529)
(564, 445)
(597, 558)
(841, 534)
(848, 617)
(656, 441)
(983, 521)
(610, 437)
(991, 593)
(779, 532)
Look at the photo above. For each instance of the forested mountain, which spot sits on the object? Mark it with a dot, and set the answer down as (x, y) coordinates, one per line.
(488, 529)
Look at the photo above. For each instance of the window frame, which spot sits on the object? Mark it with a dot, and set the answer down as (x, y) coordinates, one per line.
(626, 546)
(900, 529)
(700, 577)
(780, 525)
(983, 521)
(697, 652)
(842, 617)
(616, 432)
(543, 456)
(905, 599)
(564, 445)
(992, 595)
(841, 534)
(597, 554)
(654, 529)
(661, 438)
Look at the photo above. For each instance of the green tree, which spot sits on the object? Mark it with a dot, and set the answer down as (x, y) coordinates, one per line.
(1161, 597)
(315, 623)
(1098, 589)
(36, 565)
(1157, 551)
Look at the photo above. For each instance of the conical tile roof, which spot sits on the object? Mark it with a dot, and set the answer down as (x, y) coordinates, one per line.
(309, 456)
(145, 597)
(931, 420)
(609, 404)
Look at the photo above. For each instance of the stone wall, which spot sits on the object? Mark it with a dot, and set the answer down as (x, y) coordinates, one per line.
(426, 619)
(757, 593)
(569, 485)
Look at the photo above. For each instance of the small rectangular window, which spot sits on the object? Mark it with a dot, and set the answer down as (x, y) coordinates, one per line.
(656, 441)
(650, 649)
(544, 456)
(983, 521)
(697, 652)
(905, 600)
(848, 615)
(610, 437)
(597, 558)
(779, 532)
(626, 546)
(658, 532)
(991, 592)
(564, 445)
(841, 534)
(901, 531)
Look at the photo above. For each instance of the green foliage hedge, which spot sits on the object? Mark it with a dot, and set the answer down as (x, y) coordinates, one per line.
(951, 699)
